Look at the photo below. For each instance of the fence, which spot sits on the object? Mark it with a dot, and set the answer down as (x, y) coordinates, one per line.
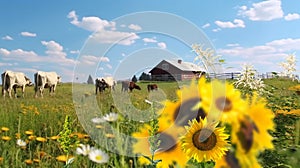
(235, 75)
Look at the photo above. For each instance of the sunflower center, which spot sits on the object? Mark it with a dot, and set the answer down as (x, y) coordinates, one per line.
(204, 139)
(185, 112)
(223, 104)
(167, 142)
(245, 134)
(231, 160)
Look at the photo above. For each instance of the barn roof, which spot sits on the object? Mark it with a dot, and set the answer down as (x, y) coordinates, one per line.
(186, 66)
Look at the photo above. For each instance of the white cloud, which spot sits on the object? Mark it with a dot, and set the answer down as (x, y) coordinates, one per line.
(216, 30)
(19, 55)
(285, 45)
(123, 38)
(92, 60)
(90, 23)
(292, 16)
(104, 30)
(206, 25)
(109, 66)
(54, 54)
(28, 34)
(263, 11)
(135, 27)
(150, 40)
(232, 45)
(54, 49)
(162, 45)
(7, 38)
(235, 24)
(267, 56)
(74, 51)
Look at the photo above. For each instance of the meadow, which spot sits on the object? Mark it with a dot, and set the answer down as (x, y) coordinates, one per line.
(40, 122)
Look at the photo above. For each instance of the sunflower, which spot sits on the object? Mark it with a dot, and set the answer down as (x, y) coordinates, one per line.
(222, 102)
(169, 150)
(204, 141)
(186, 108)
(230, 159)
(252, 132)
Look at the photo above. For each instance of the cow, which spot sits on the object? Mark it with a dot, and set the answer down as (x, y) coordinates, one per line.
(100, 85)
(151, 87)
(13, 80)
(106, 82)
(129, 85)
(44, 80)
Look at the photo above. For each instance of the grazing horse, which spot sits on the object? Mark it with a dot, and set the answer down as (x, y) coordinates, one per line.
(129, 85)
(152, 87)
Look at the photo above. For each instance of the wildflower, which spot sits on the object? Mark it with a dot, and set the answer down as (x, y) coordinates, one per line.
(64, 158)
(223, 101)
(41, 139)
(66, 140)
(99, 126)
(98, 156)
(203, 142)
(252, 133)
(289, 66)
(18, 135)
(54, 137)
(248, 81)
(21, 143)
(235, 159)
(110, 135)
(78, 135)
(207, 56)
(41, 154)
(182, 111)
(29, 132)
(28, 161)
(6, 138)
(169, 149)
(36, 160)
(111, 117)
(97, 120)
(83, 149)
(5, 129)
(31, 137)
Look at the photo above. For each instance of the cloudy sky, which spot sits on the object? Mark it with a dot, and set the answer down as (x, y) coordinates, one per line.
(122, 38)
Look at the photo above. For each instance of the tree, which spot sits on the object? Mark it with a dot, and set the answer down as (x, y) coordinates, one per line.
(134, 79)
(144, 76)
(90, 80)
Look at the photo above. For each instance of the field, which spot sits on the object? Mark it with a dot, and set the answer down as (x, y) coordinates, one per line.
(39, 121)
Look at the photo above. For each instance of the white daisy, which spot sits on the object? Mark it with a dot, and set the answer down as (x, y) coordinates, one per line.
(97, 120)
(21, 143)
(98, 156)
(111, 117)
(84, 149)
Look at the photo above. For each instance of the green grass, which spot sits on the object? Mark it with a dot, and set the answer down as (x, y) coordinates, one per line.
(45, 116)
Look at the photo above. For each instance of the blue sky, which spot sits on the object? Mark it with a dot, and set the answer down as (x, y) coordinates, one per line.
(84, 36)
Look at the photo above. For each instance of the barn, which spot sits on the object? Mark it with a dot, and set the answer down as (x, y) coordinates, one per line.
(170, 70)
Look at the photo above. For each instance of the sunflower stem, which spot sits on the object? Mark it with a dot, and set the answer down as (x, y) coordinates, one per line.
(154, 137)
